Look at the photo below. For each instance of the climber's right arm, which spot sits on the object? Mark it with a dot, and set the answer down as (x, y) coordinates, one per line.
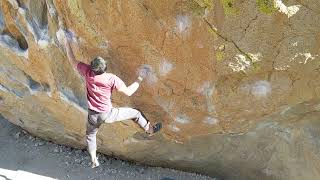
(70, 54)
(127, 90)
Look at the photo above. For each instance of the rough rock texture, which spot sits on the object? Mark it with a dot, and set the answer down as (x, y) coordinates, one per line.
(235, 82)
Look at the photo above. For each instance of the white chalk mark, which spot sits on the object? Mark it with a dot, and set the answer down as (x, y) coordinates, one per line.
(210, 120)
(242, 62)
(147, 73)
(207, 90)
(43, 43)
(289, 11)
(255, 57)
(61, 35)
(183, 23)
(22, 11)
(52, 10)
(282, 68)
(307, 56)
(71, 35)
(105, 44)
(144, 70)
(258, 89)
(165, 67)
(182, 119)
(261, 88)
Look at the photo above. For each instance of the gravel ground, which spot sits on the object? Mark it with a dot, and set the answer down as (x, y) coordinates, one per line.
(25, 157)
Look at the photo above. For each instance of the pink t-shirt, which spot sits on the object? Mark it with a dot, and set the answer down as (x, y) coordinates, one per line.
(99, 88)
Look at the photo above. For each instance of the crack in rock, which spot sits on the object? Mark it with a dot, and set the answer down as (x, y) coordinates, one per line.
(228, 40)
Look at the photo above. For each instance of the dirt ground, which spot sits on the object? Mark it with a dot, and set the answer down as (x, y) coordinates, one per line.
(23, 157)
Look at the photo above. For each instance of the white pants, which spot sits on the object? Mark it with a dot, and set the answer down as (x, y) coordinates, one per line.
(95, 119)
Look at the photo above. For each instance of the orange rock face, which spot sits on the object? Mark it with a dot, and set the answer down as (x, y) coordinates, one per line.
(236, 83)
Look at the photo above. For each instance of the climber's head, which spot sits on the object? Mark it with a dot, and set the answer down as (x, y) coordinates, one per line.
(98, 65)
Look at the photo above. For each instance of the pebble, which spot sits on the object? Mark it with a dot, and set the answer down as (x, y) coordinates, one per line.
(17, 135)
(31, 138)
(55, 150)
(141, 171)
(78, 161)
(113, 171)
(49, 143)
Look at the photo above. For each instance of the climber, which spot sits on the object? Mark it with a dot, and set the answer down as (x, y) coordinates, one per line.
(100, 85)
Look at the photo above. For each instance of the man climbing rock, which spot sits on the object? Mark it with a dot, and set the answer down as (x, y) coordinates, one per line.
(100, 86)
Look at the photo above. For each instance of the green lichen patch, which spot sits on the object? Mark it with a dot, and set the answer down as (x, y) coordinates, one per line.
(266, 6)
(76, 9)
(256, 67)
(212, 32)
(229, 7)
(199, 7)
(195, 8)
(208, 4)
(219, 56)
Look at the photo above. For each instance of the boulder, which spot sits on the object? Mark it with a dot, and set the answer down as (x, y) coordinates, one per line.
(235, 83)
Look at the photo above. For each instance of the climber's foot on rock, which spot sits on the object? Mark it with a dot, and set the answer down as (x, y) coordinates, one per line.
(154, 129)
(95, 163)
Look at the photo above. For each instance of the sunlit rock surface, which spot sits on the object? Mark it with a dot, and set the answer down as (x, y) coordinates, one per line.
(236, 83)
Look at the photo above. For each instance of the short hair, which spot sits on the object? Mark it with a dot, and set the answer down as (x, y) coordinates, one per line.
(98, 65)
